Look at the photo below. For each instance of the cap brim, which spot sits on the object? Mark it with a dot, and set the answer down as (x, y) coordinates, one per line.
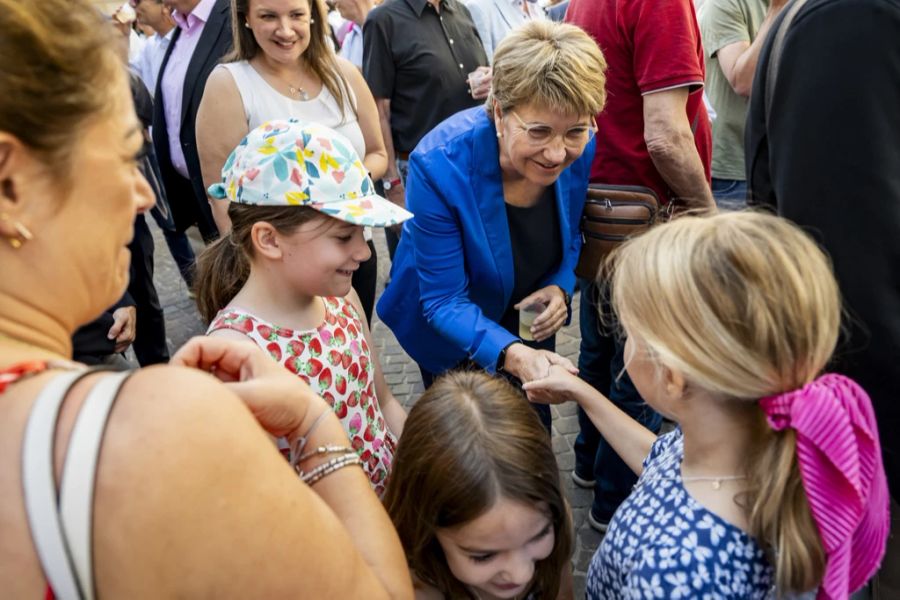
(368, 211)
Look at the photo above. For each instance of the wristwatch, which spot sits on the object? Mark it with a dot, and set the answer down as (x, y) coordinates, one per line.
(390, 183)
(501, 359)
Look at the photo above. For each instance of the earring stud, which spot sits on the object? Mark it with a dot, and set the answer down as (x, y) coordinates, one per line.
(23, 231)
(246, 24)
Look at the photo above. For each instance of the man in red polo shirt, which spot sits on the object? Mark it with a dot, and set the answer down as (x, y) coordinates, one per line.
(654, 132)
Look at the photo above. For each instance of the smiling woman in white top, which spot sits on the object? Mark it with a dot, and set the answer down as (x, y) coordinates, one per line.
(283, 67)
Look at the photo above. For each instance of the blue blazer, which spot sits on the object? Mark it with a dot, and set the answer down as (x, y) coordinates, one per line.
(452, 276)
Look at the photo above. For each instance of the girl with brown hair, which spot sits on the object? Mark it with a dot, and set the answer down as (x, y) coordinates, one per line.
(283, 67)
(772, 483)
(475, 494)
(299, 197)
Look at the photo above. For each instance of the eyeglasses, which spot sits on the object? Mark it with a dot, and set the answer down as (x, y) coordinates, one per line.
(539, 134)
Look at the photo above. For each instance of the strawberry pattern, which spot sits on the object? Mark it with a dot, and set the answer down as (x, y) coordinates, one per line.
(335, 361)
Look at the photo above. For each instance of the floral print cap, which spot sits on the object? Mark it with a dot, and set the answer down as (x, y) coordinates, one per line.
(295, 163)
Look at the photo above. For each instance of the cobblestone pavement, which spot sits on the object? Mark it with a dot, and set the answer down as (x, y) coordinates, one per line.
(402, 374)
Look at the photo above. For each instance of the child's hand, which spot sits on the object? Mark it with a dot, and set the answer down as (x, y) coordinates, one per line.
(558, 386)
(279, 400)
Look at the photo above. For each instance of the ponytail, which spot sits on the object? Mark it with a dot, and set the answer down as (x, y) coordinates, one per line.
(779, 513)
(222, 270)
(224, 266)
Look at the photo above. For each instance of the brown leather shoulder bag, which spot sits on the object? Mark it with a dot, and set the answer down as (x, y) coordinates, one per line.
(612, 214)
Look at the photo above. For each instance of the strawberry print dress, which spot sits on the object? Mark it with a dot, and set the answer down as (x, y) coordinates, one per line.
(335, 361)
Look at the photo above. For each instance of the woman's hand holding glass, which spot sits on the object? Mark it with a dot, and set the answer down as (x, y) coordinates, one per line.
(281, 403)
(554, 315)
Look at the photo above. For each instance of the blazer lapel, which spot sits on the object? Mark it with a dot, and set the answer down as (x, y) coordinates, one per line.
(561, 187)
(212, 30)
(487, 190)
(509, 14)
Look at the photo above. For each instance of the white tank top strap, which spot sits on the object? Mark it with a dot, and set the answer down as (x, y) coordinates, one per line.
(62, 529)
(242, 73)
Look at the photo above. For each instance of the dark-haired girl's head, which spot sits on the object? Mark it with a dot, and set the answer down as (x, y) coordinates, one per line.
(475, 492)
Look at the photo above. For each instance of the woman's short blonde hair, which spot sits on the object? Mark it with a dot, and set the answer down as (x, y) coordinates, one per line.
(554, 65)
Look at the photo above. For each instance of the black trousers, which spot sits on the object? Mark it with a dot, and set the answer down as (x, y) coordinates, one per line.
(188, 209)
(150, 339)
(364, 280)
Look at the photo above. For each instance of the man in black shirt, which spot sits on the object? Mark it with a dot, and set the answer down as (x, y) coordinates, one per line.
(828, 158)
(417, 55)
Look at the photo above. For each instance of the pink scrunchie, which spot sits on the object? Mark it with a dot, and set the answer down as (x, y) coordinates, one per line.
(839, 456)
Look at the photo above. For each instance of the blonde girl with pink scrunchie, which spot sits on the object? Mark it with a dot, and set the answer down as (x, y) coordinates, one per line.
(772, 483)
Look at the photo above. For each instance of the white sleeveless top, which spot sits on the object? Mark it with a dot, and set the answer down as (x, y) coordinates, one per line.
(263, 103)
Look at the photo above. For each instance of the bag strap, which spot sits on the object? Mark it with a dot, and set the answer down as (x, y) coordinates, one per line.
(64, 544)
(775, 56)
(79, 474)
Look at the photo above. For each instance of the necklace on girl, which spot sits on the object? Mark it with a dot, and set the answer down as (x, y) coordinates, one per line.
(716, 481)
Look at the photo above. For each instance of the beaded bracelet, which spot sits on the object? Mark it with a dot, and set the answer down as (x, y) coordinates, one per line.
(300, 442)
(330, 467)
(328, 449)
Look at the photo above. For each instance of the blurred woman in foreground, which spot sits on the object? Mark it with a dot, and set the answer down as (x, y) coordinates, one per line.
(185, 480)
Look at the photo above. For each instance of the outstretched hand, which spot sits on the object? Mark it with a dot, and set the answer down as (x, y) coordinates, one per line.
(529, 364)
(558, 386)
(279, 400)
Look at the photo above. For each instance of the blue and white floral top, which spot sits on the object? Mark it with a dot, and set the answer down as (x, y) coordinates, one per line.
(661, 543)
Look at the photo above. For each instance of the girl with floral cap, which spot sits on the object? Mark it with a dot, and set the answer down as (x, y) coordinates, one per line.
(299, 199)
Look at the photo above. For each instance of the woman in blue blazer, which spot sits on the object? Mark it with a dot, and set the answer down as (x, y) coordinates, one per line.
(497, 194)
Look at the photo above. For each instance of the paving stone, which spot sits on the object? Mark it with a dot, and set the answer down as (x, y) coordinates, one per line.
(583, 559)
(394, 378)
(566, 410)
(567, 424)
(560, 444)
(578, 497)
(579, 585)
(565, 461)
(389, 368)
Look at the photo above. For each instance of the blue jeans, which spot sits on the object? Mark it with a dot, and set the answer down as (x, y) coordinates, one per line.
(601, 364)
(730, 194)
